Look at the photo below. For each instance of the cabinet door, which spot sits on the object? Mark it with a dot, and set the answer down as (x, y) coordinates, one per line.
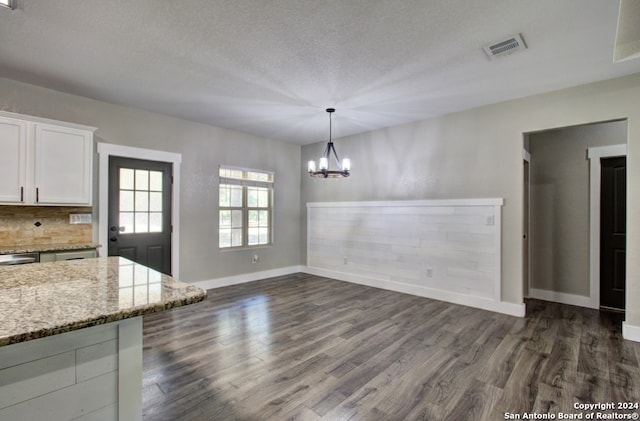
(13, 160)
(62, 169)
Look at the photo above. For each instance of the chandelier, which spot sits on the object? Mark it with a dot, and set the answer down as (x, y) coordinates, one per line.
(323, 170)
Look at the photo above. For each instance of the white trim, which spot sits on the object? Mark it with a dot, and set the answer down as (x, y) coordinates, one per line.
(630, 332)
(562, 297)
(404, 203)
(34, 119)
(247, 277)
(105, 150)
(232, 167)
(512, 309)
(594, 155)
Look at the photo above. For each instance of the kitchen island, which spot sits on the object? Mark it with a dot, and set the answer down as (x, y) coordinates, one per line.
(71, 336)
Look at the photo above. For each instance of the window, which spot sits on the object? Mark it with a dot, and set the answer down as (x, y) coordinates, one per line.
(246, 204)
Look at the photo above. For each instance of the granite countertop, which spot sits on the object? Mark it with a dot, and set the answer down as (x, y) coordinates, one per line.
(44, 299)
(31, 248)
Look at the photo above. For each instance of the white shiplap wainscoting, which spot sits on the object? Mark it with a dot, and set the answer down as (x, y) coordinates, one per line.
(443, 249)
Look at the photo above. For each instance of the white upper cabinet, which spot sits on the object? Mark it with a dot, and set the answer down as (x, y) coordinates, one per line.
(13, 160)
(62, 166)
(45, 162)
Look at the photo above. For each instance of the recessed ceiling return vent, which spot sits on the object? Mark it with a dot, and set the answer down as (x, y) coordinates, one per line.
(505, 47)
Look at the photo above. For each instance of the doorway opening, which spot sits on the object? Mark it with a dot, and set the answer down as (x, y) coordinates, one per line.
(565, 182)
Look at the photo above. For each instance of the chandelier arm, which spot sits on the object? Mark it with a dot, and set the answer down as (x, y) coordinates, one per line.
(327, 152)
(335, 155)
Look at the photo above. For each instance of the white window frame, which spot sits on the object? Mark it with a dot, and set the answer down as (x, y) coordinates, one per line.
(245, 183)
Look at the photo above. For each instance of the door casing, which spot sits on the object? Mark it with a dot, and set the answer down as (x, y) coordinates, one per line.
(594, 155)
(108, 149)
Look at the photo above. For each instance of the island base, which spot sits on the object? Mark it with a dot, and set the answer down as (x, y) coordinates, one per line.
(88, 374)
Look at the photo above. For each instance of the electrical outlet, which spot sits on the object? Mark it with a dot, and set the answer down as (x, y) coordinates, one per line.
(255, 258)
(429, 273)
(345, 260)
(80, 218)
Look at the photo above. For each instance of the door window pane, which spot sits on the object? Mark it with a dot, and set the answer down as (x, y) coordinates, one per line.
(141, 222)
(126, 178)
(142, 180)
(126, 201)
(155, 201)
(155, 180)
(140, 201)
(126, 221)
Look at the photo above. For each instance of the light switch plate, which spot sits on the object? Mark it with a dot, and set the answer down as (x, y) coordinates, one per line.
(80, 218)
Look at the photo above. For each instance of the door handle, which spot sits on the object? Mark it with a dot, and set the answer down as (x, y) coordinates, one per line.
(113, 239)
(114, 229)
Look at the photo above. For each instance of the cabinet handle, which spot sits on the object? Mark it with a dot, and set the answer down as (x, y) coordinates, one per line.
(37, 194)
(22, 193)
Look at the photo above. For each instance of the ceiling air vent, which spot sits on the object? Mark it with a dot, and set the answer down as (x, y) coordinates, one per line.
(504, 47)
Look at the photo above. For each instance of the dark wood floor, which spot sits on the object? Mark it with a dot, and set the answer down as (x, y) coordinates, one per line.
(302, 347)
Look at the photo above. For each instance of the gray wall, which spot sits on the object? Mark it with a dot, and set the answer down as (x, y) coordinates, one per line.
(559, 219)
(203, 148)
(478, 153)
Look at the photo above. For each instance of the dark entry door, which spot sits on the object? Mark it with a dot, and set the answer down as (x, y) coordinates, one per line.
(613, 232)
(140, 211)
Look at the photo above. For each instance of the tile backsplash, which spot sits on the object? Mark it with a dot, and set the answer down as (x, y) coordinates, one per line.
(42, 225)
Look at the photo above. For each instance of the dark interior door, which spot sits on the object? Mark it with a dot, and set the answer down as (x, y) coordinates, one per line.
(140, 211)
(613, 232)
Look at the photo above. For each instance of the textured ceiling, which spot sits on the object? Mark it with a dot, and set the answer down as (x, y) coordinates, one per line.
(271, 67)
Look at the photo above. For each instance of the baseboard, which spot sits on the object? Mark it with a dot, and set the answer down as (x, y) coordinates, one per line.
(511, 309)
(562, 297)
(630, 332)
(246, 277)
